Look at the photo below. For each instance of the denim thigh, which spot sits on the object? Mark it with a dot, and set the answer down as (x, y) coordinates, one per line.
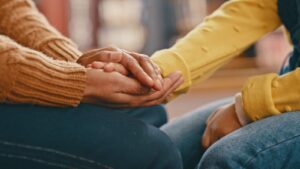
(85, 137)
(186, 132)
(271, 143)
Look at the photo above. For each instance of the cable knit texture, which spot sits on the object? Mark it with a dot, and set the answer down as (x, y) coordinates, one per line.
(21, 21)
(37, 73)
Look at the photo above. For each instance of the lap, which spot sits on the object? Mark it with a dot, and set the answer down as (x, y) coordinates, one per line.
(275, 139)
(82, 137)
(271, 143)
(186, 132)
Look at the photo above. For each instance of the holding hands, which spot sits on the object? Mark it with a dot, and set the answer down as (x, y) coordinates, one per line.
(119, 78)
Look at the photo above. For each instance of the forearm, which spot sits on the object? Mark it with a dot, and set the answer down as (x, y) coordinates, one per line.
(33, 78)
(222, 36)
(21, 21)
(271, 94)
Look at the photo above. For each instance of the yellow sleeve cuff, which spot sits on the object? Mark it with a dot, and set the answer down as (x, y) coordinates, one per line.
(169, 62)
(257, 97)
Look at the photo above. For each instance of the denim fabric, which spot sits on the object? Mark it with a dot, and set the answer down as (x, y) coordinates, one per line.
(271, 143)
(86, 137)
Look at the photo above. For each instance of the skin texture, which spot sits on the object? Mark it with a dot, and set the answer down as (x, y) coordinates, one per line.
(139, 65)
(116, 90)
(220, 123)
(118, 78)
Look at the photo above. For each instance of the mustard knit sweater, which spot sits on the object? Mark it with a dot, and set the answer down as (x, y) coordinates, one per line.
(221, 37)
(36, 62)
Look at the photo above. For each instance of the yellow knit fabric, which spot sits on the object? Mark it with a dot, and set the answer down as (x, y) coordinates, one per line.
(222, 36)
(33, 65)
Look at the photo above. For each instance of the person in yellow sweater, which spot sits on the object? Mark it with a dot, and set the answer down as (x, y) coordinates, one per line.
(256, 141)
(47, 116)
(261, 124)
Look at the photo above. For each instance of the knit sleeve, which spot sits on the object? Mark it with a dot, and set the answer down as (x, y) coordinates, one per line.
(222, 36)
(28, 76)
(270, 94)
(21, 21)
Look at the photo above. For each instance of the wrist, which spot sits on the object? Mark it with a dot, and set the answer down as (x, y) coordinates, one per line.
(239, 109)
(88, 91)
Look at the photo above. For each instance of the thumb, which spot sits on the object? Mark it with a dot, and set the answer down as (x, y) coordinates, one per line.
(206, 138)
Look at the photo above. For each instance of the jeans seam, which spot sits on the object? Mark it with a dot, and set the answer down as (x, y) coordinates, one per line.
(53, 151)
(269, 148)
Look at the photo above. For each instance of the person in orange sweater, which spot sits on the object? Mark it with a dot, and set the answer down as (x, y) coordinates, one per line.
(47, 116)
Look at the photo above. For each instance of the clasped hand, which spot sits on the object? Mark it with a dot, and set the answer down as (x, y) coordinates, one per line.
(118, 78)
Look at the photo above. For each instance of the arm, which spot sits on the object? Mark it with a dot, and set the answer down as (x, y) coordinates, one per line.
(270, 94)
(28, 76)
(31, 77)
(262, 96)
(21, 21)
(223, 35)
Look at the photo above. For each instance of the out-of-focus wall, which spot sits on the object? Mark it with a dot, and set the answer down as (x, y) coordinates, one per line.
(150, 25)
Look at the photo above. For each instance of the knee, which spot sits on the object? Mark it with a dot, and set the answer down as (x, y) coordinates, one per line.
(166, 155)
(155, 115)
(223, 154)
(160, 114)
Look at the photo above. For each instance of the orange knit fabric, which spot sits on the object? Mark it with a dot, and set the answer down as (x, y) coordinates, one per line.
(37, 66)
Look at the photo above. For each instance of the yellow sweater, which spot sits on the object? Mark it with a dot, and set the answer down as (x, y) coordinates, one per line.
(33, 66)
(222, 36)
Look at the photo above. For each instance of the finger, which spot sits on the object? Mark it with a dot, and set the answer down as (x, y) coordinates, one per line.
(131, 86)
(93, 51)
(158, 70)
(138, 101)
(116, 67)
(149, 68)
(206, 137)
(211, 117)
(211, 135)
(169, 82)
(109, 67)
(103, 56)
(134, 67)
(82, 59)
(171, 90)
(97, 65)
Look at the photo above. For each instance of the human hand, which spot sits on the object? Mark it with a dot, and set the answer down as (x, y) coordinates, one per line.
(220, 123)
(109, 67)
(116, 90)
(139, 65)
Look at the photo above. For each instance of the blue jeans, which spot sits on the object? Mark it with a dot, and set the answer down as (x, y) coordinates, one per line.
(86, 137)
(271, 143)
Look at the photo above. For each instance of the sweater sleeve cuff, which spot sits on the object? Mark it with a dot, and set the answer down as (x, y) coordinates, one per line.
(43, 81)
(170, 62)
(61, 50)
(257, 97)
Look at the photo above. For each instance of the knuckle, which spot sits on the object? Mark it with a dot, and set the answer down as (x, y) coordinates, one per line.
(112, 47)
(144, 57)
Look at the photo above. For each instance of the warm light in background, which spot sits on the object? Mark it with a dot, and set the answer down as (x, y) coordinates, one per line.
(149, 25)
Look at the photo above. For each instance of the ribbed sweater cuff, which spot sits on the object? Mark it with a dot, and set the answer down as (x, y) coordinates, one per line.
(44, 81)
(61, 49)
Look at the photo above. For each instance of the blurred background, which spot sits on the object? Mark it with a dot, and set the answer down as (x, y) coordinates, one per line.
(150, 25)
